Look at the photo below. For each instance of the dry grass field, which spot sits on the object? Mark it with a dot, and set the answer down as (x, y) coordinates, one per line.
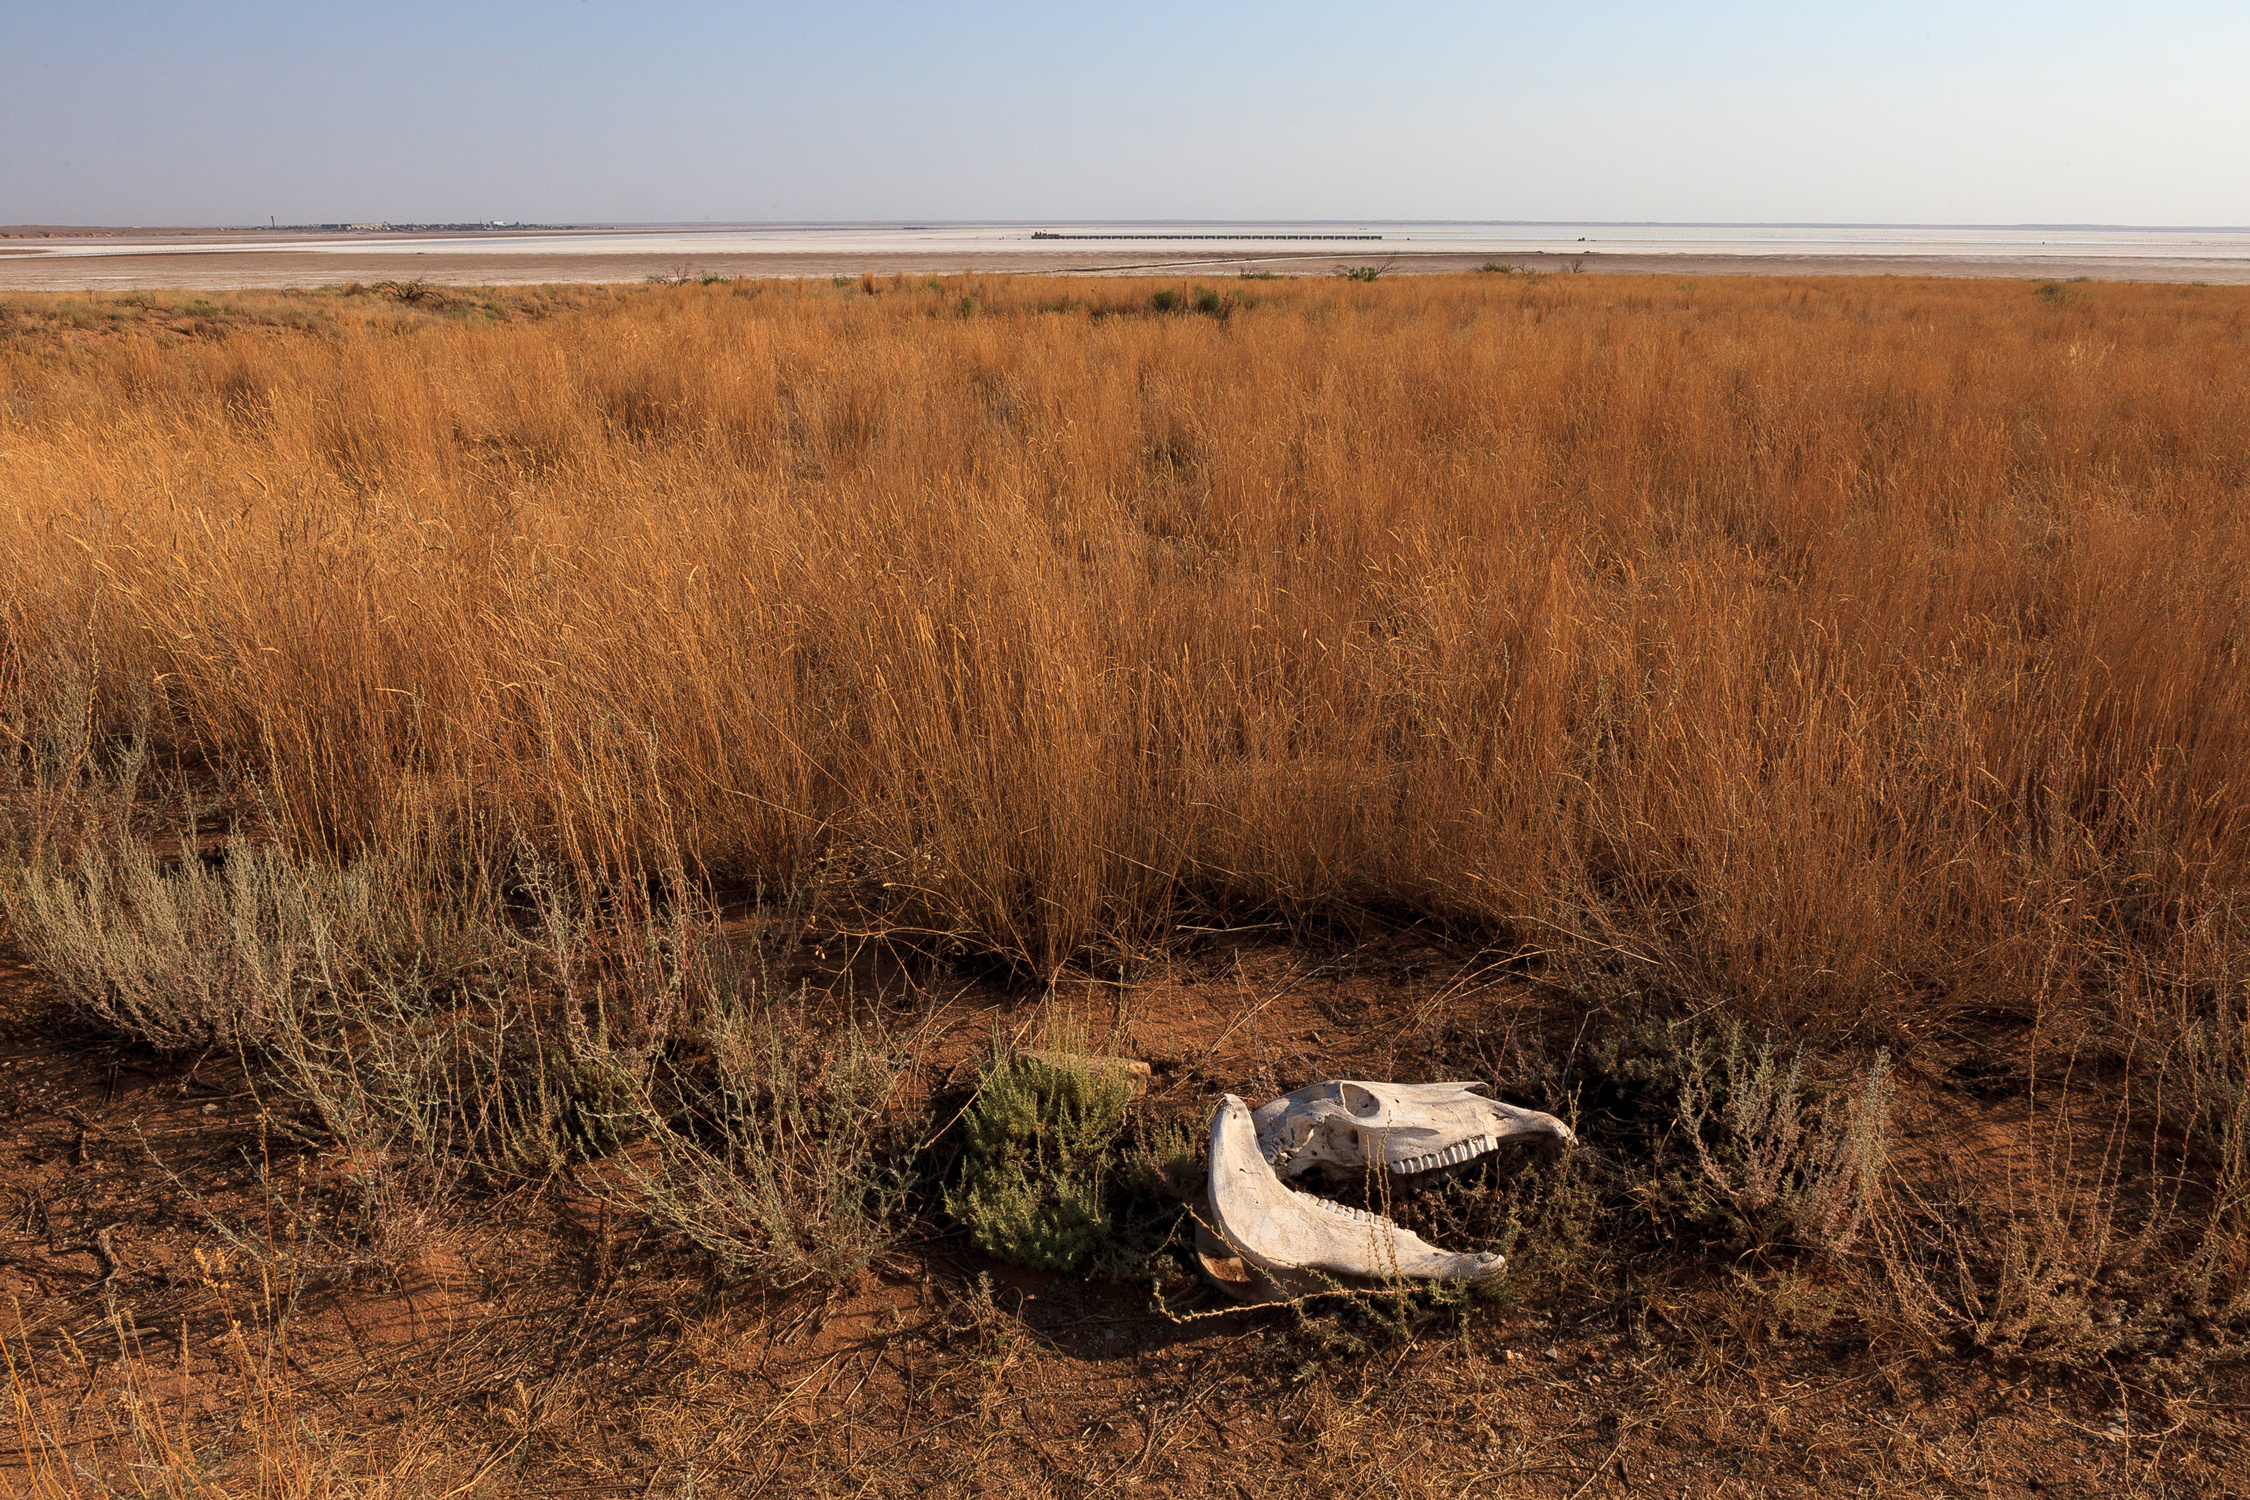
(1844, 665)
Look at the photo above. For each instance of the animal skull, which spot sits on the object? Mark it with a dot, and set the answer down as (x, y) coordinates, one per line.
(1267, 1241)
(1411, 1128)
(1294, 1242)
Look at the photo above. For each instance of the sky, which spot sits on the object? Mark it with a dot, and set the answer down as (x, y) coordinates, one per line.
(589, 111)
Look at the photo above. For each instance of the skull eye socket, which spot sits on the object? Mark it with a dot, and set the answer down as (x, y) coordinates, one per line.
(1359, 1101)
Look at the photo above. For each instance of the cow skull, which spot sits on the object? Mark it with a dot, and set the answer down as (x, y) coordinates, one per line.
(1347, 1125)
(1267, 1241)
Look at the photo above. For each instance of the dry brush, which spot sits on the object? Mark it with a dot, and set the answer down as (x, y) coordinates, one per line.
(1858, 651)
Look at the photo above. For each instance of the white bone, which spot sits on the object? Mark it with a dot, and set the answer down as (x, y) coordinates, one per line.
(1295, 1242)
(1345, 1124)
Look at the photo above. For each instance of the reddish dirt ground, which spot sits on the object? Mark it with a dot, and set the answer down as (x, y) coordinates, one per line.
(162, 1241)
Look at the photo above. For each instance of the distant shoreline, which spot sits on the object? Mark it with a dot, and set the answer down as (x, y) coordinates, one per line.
(56, 258)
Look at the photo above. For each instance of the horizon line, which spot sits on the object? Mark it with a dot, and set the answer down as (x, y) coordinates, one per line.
(903, 222)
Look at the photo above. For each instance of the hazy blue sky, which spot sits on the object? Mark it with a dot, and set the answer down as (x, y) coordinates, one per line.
(1976, 111)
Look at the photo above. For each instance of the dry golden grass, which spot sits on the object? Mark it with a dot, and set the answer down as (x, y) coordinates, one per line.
(1854, 651)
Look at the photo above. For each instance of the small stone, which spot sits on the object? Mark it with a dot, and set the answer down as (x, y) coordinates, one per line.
(210, 1109)
(1552, 1355)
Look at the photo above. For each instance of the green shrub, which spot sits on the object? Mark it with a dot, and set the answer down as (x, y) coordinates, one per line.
(1037, 1143)
(1165, 300)
(1054, 1174)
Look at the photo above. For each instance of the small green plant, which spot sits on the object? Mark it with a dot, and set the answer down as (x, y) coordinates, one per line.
(1361, 273)
(967, 307)
(1165, 300)
(1166, 1162)
(1259, 276)
(1037, 1158)
(1208, 301)
(1500, 268)
(1054, 1174)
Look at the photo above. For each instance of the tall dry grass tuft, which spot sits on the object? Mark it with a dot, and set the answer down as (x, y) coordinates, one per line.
(1854, 651)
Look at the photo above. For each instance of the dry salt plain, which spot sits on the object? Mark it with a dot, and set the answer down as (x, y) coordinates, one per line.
(53, 258)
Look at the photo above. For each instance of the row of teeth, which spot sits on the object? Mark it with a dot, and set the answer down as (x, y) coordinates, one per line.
(1361, 1215)
(1451, 1156)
